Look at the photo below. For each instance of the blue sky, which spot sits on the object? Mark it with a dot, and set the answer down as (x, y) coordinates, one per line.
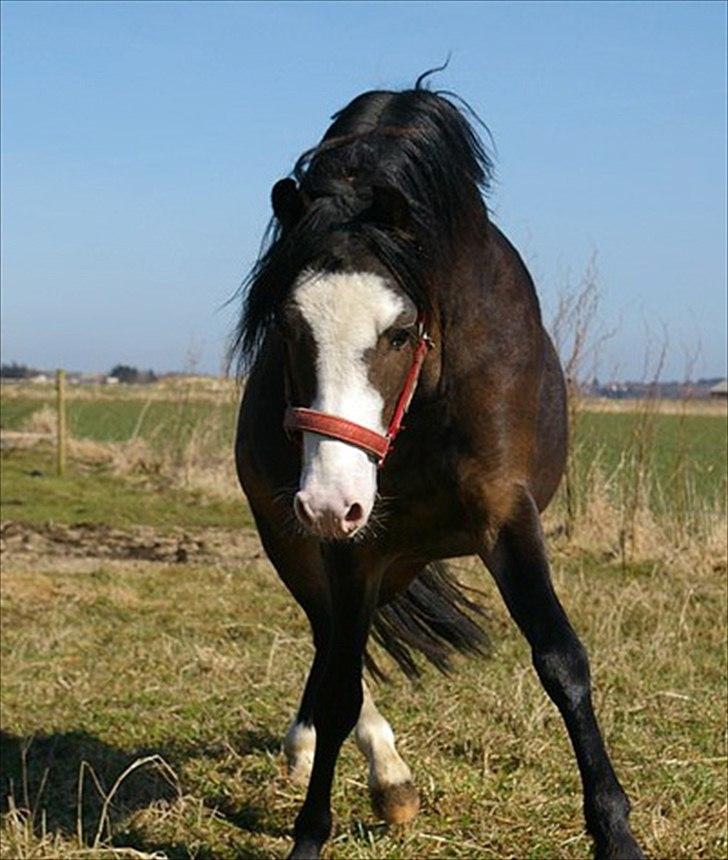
(140, 141)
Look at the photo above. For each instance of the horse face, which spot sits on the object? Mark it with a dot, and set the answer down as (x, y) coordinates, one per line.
(349, 339)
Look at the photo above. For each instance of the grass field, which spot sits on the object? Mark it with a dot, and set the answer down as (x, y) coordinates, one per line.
(143, 628)
(694, 435)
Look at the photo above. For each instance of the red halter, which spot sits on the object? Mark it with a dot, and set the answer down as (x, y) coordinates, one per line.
(298, 419)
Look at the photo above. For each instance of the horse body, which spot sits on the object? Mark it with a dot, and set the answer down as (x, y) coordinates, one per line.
(483, 406)
(482, 451)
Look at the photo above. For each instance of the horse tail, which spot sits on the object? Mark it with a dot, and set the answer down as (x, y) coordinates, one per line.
(433, 617)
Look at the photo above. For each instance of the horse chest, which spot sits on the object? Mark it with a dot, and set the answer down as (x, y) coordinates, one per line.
(427, 518)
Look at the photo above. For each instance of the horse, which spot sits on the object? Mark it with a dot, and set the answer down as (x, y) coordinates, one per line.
(383, 294)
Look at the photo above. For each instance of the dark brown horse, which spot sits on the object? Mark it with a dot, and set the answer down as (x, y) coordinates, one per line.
(385, 281)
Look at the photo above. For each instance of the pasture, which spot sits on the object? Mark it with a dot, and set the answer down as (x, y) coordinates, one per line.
(152, 659)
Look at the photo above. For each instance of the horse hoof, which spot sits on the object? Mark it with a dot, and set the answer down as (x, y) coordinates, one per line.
(396, 804)
(623, 848)
(307, 849)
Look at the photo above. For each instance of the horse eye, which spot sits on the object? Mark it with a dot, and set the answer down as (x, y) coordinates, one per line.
(398, 338)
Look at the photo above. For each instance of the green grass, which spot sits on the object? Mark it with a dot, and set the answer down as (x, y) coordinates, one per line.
(679, 442)
(33, 493)
(16, 411)
(203, 666)
(118, 420)
(693, 442)
(105, 662)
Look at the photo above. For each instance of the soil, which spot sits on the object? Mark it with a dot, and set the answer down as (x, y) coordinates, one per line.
(92, 540)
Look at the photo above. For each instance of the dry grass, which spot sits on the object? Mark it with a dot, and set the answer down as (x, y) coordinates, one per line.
(204, 389)
(679, 538)
(23, 839)
(187, 673)
(686, 406)
(193, 460)
(202, 665)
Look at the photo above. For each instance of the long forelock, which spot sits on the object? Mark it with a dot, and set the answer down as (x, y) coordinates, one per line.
(310, 244)
(415, 141)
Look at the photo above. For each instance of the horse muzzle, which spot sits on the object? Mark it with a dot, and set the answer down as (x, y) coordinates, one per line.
(336, 519)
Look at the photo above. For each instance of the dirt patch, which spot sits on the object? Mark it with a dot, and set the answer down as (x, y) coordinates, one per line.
(92, 540)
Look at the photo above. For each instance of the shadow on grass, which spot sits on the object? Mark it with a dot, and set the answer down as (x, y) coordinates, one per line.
(42, 774)
(245, 815)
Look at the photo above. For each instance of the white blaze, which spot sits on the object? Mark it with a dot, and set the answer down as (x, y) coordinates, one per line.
(346, 313)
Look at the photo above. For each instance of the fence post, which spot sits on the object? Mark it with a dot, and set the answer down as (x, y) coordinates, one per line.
(61, 421)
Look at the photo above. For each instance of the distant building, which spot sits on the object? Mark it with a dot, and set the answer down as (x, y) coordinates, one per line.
(93, 378)
(720, 389)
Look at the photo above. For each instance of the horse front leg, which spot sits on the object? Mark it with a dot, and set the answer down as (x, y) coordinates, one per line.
(520, 568)
(339, 697)
(300, 566)
(299, 742)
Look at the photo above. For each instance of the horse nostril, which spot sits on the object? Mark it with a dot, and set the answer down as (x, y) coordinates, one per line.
(302, 510)
(354, 514)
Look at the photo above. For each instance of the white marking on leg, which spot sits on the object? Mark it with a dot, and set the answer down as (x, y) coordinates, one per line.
(375, 738)
(299, 745)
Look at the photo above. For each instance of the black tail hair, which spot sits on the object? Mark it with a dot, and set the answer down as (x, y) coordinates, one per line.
(433, 617)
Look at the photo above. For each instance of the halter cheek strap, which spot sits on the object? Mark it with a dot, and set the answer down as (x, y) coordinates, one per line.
(299, 419)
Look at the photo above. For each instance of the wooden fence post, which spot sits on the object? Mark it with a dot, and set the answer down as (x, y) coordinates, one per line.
(61, 421)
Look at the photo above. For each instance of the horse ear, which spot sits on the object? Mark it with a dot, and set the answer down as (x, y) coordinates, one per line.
(287, 204)
(390, 207)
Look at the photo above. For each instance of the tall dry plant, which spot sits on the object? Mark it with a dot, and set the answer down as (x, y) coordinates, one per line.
(196, 452)
(624, 510)
(683, 491)
(578, 336)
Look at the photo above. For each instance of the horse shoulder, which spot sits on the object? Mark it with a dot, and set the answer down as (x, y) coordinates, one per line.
(508, 403)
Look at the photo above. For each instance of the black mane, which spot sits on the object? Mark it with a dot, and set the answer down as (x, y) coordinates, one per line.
(418, 143)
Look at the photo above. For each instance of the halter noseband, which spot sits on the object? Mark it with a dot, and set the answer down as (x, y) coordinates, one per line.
(298, 419)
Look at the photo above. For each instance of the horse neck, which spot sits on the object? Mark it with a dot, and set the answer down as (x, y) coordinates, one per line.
(484, 306)
(457, 288)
